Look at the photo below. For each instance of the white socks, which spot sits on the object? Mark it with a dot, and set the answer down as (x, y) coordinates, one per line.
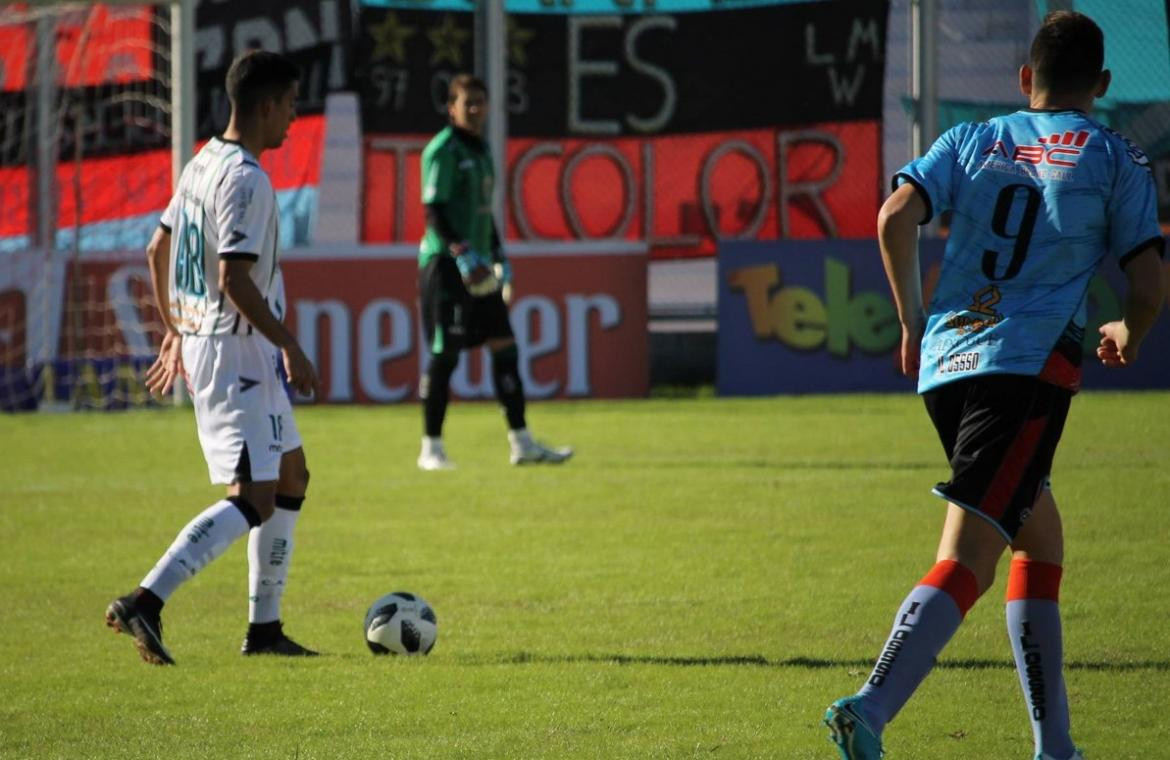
(519, 439)
(270, 549)
(203, 539)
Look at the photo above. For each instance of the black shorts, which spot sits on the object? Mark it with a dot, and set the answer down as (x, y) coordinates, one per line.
(1000, 434)
(452, 318)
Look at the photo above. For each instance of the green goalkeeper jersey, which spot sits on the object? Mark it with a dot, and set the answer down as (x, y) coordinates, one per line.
(458, 174)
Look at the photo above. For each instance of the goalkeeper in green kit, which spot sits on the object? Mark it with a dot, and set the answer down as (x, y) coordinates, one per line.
(465, 280)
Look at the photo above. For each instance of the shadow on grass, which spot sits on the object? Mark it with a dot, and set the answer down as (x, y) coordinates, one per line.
(811, 663)
(674, 464)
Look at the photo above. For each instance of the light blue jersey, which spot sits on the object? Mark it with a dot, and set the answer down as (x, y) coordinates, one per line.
(1039, 199)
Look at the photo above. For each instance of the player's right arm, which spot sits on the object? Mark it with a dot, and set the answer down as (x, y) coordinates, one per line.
(1136, 239)
(898, 223)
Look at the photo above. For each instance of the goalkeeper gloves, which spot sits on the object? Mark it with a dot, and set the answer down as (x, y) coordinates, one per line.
(503, 270)
(477, 276)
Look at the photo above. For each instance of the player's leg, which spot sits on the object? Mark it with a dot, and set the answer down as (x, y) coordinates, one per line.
(237, 453)
(270, 548)
(506, 381)
(435, 391)
(199, 542)
(925, 622)
(442, 296)
(1034, 627)
(992, 430)
(492, 321)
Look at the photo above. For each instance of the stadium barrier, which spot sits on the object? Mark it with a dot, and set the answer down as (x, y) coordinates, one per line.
(817, 317)
(579, 313)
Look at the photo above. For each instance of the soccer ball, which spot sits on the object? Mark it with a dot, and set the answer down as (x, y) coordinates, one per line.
(401, 623)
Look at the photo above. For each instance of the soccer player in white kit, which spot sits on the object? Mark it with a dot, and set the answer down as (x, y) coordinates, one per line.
(217, 284)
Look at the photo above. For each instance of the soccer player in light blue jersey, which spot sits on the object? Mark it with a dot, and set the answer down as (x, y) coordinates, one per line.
(1040, 199)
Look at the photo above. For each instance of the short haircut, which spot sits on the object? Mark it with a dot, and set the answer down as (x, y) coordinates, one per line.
(258, 74)
(1068, 53)
(464, 83)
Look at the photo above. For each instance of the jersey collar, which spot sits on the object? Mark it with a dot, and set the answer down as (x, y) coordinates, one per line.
(472, 140)
(1054, 110)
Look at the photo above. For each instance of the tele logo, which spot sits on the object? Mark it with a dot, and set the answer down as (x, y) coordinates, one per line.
(800, 318)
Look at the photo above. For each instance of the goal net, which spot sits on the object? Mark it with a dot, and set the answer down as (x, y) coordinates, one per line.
(85, 169)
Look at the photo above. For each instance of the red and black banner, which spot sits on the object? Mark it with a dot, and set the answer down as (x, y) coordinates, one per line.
(109, 97)
(110, 116)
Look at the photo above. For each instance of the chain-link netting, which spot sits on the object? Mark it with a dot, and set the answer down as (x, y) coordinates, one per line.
(85, 164)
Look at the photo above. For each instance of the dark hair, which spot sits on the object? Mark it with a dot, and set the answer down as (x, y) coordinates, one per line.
(258, 74)
(1067, 53)
(464, 83)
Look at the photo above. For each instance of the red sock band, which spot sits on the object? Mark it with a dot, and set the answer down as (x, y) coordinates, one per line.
(1029, 579)
(959, 582)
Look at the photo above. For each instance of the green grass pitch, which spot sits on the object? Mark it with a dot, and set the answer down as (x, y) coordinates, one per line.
(700, 581)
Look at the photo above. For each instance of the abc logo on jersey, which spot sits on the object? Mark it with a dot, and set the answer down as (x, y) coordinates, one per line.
(1056, 149)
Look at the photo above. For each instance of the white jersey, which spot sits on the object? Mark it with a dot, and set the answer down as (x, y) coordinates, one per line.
(224, 208)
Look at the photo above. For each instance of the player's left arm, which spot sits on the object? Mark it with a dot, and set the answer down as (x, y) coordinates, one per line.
(246, 204)
(898, 223)
(1144, 294)
(922, 188)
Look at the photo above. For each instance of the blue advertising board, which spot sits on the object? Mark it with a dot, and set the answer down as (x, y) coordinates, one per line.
(817, 317)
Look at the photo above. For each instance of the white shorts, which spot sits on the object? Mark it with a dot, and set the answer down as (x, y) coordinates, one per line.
(242, 411)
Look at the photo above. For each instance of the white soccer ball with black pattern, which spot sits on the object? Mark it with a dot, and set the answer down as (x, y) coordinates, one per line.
(401, 623)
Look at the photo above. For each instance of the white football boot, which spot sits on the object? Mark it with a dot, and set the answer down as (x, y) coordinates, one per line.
(527, 450)
(432, 456)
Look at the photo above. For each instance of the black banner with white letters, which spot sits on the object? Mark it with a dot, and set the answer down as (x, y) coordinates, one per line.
(630, 74)
(315, 34)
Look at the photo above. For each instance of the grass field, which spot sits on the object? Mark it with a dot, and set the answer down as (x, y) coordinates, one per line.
(700, 581)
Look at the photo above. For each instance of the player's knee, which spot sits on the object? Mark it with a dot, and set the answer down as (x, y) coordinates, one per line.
(264, 505)
(294, 474)
(438, 374)
(442, 365)
(260, 496)
(506, 370)
(294, 482)
(980, 565)
(983, 572)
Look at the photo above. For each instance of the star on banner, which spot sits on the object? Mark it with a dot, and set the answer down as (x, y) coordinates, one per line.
(448, 40)
(390, 38)
(518, 39)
